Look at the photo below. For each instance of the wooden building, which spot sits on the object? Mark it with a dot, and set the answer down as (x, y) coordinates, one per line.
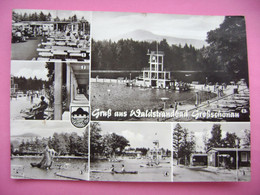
(229, 157)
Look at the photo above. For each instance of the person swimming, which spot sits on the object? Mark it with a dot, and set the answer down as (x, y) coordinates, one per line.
(112, 169)
(123, 168)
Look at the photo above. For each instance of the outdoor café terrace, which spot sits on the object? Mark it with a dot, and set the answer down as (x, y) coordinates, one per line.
(64, 46)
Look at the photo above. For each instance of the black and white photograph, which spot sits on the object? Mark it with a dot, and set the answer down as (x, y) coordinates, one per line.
(48, 150)
(211, 152)
(130, 152)
(110, 96)
(48, 90)
(51, 35)
(160, 67)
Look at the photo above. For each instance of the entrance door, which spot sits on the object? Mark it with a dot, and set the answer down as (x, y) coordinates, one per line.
(153, 83)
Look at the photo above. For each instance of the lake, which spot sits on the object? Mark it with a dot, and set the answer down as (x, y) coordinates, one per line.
(59, 165)
(21, 103)
(119, 97)
(162, 174)
(66, 166)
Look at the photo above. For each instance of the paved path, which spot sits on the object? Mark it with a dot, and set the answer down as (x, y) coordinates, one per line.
(26, 50)
(80, 100)
(182, 173)
(228, 102)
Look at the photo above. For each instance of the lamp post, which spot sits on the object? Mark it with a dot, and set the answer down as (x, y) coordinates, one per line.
(164, 99)
(236, 142)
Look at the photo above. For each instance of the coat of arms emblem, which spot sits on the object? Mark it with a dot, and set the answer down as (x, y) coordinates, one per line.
(79, 116)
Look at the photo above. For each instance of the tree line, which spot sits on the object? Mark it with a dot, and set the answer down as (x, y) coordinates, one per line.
(26, 84)
(101, 146)
(231, 140)
(184, 143)
(132, 55)
(62, 143)
(19, 17)
(226, 52)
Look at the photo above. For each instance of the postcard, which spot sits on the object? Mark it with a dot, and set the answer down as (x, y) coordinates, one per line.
(113, 96)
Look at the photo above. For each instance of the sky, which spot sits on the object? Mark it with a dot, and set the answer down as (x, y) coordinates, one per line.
(29, 69)
(111, 24)
(201, 129)
(107, 25)
(60, 13)
(141, 134)
(43, 128)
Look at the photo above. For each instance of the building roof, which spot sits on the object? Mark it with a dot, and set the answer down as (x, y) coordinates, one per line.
(229, 149)
(199, 154)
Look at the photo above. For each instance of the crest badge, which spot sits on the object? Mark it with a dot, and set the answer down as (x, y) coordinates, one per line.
(79, 116)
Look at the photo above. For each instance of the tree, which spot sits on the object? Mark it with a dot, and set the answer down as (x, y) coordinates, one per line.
(49, 88)
(34, 17)
(215, 140)
(84, 142)
(60, 144)
(114, 143)
(95, 139)
(230, 140)
(42, 17)
(49, 17)
(25, 17)
(177, 140)
(75, 143)
(247, 138)
(22, 147)
(187, 146)
(57, 19)
(183, 143)
(205, 141)
(168, 153)
(227, 47)
(143, 150)
(15, 16)
(12, 148)
(74, 18)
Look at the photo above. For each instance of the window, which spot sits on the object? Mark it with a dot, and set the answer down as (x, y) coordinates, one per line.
(244, 157)
(160, 59)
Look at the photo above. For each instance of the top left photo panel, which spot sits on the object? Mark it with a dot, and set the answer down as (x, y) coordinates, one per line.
(51, 35)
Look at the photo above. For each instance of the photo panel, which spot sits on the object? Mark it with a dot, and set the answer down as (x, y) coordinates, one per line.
(51, 35)
(160, 67)
(211, 152)
(130, 152)
(50, 91)
(48, 150)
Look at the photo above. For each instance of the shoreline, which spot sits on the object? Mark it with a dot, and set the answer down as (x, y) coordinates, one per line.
(57, 157)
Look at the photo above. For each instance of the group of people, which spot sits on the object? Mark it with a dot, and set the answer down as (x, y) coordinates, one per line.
(82, 41)
(112, 169)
